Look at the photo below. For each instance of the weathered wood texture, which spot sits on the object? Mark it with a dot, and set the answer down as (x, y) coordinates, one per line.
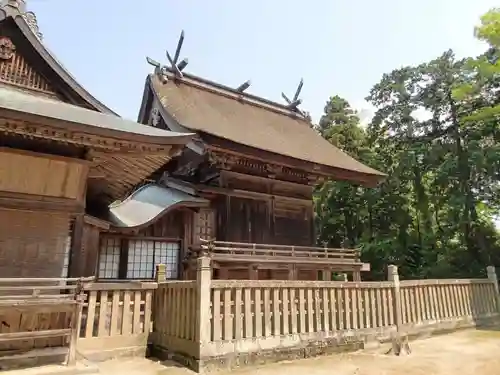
(174, 316)
(42, 175)
(259, 316)
(33, 244)
(39, 318)
(276, 221)
(116, 318)
(18, 72)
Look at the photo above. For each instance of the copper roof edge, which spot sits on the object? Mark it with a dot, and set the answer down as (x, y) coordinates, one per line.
(232, 93)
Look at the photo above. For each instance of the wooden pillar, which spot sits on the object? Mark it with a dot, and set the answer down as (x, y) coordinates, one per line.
(492, 276)
(203, 287)
(326, 275)
(253, 272)
(76, 263)
(356, 276)
(292, 272)
(393, 276)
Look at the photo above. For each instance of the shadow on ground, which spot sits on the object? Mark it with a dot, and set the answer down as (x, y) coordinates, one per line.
(468, 352)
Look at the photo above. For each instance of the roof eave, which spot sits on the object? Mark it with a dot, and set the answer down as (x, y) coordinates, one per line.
(56, 65)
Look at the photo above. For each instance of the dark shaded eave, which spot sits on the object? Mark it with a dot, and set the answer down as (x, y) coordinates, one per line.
(148, 204)
(52, 61)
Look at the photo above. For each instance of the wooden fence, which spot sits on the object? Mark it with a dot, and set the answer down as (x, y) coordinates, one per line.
(39, 320)
(116, 319)
(213, 319)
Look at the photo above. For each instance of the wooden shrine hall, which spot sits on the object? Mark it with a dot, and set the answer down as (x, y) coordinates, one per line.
(206, 168)
(64, 157)
(255, 163)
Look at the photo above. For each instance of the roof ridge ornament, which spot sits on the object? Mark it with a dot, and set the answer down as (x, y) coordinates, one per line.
(295, 102)
(29, 16)
(177, 68)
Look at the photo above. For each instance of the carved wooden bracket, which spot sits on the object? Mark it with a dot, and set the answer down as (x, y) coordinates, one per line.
(7, 48)
(224, 161)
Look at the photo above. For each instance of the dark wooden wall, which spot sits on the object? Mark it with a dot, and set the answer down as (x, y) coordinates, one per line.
(271, 221)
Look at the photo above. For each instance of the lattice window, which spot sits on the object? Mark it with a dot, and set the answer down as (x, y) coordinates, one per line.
(167, 253)
(144, 255)
(140, 263)
(205, 225)
(109, 258)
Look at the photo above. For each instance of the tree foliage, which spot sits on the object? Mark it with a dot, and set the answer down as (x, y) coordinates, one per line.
(436, 134)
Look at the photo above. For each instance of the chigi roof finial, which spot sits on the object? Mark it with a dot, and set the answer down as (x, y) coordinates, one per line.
(29, 17)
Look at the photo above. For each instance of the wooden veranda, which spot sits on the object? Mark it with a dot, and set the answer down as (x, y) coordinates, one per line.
(239, 260)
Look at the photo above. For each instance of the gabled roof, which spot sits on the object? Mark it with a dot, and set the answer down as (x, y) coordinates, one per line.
(15, 13)
(203, 106)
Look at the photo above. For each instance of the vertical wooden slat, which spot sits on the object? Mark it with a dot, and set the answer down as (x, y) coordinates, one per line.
(238, 329)
(216, 318)
(147, 311)
(103, 314)
(247, 308)
(258, 313)
(267, 312)
(302, 310)
(380, 321)
(89, 329)
(126, 320)
(326, 312)
(285, 330)
(333, 309)
(310, 311)
(340, 308)
(227, 318)
(317, 310)
(359, 298)
(293, 311)
(137, 312)
(115, 312)
(385, 304)
(347, 308)
(276, 312)
(354, 306)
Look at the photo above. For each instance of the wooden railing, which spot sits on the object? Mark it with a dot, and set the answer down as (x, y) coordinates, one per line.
(424, 301)
(226, 319)
(249, 309)
(174, 317)
(221, 250)
(116, 317)
(39, 318)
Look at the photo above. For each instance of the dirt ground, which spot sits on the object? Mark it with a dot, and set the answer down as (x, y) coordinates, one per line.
(472, 352)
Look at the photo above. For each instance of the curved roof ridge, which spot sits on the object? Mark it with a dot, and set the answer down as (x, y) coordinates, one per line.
(16, 12)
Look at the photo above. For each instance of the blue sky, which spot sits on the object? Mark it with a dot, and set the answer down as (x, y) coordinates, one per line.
(339, 46)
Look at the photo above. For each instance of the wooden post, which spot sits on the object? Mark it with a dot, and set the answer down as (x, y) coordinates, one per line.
(392, 275)
(203, 287)
(253, 272)
(492, 276)
(356, 276)
(76, 320)
(161, 273)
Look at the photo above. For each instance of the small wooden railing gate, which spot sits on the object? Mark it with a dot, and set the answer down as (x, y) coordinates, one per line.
(39, 319)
